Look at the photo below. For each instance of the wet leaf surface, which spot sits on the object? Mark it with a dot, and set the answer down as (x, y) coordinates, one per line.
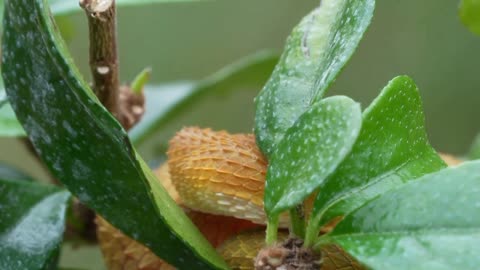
(314, 54)
(84, 146)
(310, 151)
(392, 149)
(431, 223)
(31, 225)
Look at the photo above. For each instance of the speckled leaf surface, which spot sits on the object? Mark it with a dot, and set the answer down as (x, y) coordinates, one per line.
(31, 225)
(469, 12)
(310, 151)
(83, 145)
(314, 54)
(392, 148)
(229, 91)
(432, 223)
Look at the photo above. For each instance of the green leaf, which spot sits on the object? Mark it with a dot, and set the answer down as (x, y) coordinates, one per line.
(8, 172)
(392, 148)
(32, 225)
(9, 125)
(84, 146)
(229, 91)
(474, 152)
(310, 151)
(469, 12)
(61, 7)
(315, 52)
(432, 223)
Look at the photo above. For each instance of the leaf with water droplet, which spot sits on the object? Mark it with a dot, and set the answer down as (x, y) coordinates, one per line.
(314, 54)
(469, 12)
(84, 146)
(32, 224)
(431, 223)
(392, 148)
(310, 151)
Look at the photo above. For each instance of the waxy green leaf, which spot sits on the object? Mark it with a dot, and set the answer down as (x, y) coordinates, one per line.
(310, 151)
(31, 225)
(431, 223)
(469, 12)
(315, 52)
(392, 148)
(84, 146)
(229, 91)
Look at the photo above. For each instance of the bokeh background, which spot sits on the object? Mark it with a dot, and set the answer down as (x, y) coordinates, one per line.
(189, 41)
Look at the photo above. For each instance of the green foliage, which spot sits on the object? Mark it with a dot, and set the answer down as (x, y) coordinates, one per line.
(469, 14)
(310, 151)
(84, 146)
(32, 225)
(431, 223)
(9, 125)
(315, 52)
(391, 150)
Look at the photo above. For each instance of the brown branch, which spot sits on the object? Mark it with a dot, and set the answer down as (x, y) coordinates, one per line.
(103, 51)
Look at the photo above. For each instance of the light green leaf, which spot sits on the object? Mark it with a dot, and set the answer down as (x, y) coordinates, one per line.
(392, 148)
(431, 223)
(84, 146)
(62, 7)
(224, 98)
(469, 12)
(315, 52)
(9, 125)
(310, 151)
(31, 225)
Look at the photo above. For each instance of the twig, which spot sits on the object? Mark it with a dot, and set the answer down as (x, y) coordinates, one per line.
(103, 51)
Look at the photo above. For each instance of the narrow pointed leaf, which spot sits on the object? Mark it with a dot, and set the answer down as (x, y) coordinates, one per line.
(310, 151)
(315, 52)
(432, 223)
(469, 12)
(84, 146)
(392, 148)
(229, 91)
(31, 225)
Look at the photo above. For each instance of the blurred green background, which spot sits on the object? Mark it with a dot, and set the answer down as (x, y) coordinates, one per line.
(189, 41)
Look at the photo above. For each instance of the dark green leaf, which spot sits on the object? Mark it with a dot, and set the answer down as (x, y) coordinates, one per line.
(224, 100)
(469, 12)
(432, 223)
(392, 148)
(315, 52)
(31, 225)
(310, 151)
(84, 146)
